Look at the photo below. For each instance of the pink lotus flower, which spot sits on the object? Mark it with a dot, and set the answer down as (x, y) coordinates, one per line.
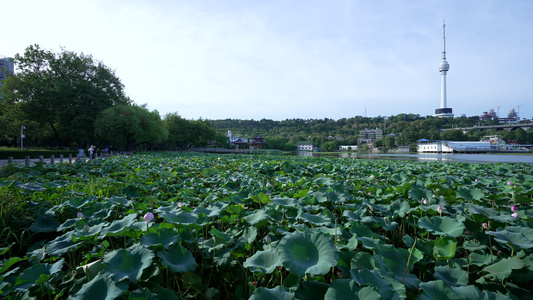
(268, 184)
(425, 201)
(515, 215)
(180, 205)
(439, 209)
(514, 208)
(86, 228)
(509, 183)
(80, 215)
(148, 217)
(371, 176)
(485, 225)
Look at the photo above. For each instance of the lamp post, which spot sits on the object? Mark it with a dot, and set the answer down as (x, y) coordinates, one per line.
(22, 137)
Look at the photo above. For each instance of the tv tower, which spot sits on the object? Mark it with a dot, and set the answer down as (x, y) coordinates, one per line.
(444, 66)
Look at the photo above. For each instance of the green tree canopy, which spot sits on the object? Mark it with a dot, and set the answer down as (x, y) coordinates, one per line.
(127, 126)
(63, 91)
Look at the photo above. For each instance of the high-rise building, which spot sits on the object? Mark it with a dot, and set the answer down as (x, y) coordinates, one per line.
(444, 66)
(6, 67)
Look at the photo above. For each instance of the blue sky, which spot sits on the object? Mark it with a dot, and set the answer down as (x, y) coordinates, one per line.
(294, 59)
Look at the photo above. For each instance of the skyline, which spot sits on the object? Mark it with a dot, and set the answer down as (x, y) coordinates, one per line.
(285, 60)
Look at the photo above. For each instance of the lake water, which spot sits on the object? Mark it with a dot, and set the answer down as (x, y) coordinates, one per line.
(473, 158)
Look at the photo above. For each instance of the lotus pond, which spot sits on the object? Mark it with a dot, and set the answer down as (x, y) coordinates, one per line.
(193, 226)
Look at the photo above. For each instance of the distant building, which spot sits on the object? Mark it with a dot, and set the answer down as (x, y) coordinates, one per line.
(370, 135)
(304, 146)
(6, 67)
(348, 147)
(258, 143)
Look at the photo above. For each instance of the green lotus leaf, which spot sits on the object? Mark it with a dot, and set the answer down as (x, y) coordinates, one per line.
(117, 227)
(182, 217)
(470, 193)
(396, 260)
(32, 187)
(516, 239)
(307, 254)
(7, 264)
(348, 289)
(61, 245)
(178, 259)
(256, 217)
(388, 288)
(285, 202)
(277, 293)
(311, 290)
(164, 237)
(261, 198)
(440, 290)
(44, 224)
(102, 287)
(37, 274)
(263, 262)
(317, 220)
(420, 193)
(444, 248)
(324, 181)
(399, 208)
(287, 167)
(503, 268)
(453, 276)
(123, 264)
(132, 191)
(442, 226)
(80, 202)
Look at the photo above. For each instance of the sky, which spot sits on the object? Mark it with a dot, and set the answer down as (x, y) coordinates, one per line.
(287, 59)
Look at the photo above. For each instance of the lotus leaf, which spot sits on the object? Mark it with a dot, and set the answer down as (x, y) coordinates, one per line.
(516, 239)
(304, 254)
(503, 268)
(452, 276)
(442, 226)
(102, 287)
(348, 289)
(123, 264)
(277, 293)
(164, 237)
(444, 248)
(263, 262)
(182, 218)
(178, 259)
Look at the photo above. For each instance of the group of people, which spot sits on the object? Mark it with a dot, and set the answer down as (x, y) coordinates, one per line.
(92, 152)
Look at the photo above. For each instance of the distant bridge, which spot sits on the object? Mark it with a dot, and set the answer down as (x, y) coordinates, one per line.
(508, 127)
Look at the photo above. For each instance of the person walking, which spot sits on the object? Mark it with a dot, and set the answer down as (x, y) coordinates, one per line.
(91, 152)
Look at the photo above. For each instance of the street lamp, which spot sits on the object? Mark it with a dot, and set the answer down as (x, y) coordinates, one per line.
(22, 137)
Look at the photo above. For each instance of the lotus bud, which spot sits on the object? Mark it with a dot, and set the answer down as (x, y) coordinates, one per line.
(509, 183)
(86, 228)
(371, 176)
(439, 209)
(425, 201)
(268, 184)
(180, 205)
(148, 217)
(515, 215)
(499, 252)
(234, 179)
(80, 215)
(485, 225)
(514, 208)
(475, 180)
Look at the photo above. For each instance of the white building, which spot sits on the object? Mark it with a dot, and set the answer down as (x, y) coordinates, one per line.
(304, 146)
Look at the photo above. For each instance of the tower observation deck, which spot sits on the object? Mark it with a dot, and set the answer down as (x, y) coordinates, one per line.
(444, 66)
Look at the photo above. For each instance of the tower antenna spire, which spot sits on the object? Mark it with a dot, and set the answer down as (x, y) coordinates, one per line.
(443, 40)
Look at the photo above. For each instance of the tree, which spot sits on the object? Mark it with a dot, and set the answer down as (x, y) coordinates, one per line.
(454, 135)
(184, 134)
(127, 126)
(389, 142)
(64, 91)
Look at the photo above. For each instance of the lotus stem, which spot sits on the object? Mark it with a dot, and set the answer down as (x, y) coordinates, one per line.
(409, 261)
